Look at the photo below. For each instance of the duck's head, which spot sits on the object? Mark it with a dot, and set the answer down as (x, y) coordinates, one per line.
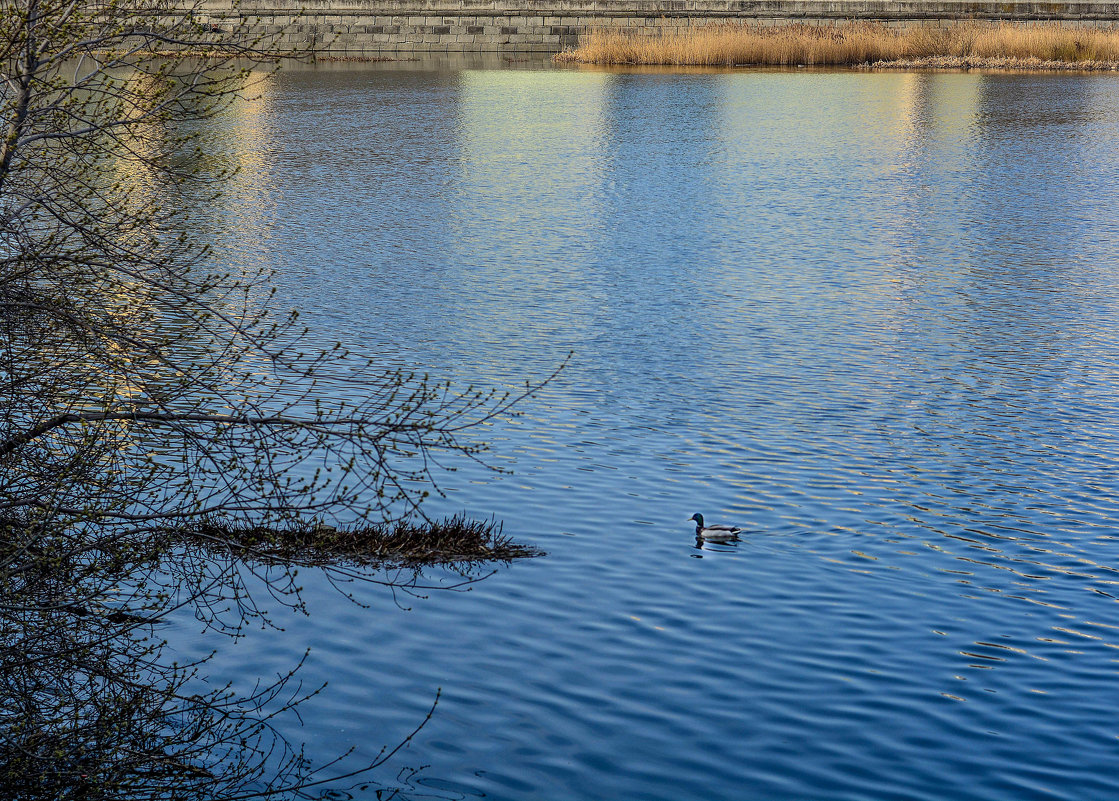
(698, 518)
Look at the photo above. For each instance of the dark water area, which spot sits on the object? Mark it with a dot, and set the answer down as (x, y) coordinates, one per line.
(871, 318)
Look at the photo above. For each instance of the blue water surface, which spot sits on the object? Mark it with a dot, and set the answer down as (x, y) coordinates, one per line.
(870, 317)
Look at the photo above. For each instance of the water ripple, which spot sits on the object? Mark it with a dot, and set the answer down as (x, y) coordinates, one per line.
(870, 318)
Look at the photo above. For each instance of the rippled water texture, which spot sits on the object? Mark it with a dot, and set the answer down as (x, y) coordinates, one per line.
(870, 317)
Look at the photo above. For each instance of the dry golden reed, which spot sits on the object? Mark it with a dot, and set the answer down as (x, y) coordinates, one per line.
(966, 44)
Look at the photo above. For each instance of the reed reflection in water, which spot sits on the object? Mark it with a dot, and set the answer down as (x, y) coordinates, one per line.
(869, 317)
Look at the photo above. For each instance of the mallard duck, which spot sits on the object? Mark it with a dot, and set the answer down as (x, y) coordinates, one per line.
(715, 533)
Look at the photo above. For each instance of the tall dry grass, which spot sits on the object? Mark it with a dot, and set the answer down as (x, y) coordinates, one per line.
(850, 44)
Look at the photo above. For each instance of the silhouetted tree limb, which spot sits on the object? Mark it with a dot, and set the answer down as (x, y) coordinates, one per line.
(161, 422)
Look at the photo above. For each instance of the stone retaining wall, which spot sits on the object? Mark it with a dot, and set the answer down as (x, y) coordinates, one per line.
(356, 28)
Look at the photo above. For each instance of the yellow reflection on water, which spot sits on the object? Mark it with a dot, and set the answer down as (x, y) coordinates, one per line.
(529, 175)
(244, 137)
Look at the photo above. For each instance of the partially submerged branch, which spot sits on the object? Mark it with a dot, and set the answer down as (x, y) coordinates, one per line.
(452, 540)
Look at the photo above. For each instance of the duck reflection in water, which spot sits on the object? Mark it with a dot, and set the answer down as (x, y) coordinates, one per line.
(708, 545)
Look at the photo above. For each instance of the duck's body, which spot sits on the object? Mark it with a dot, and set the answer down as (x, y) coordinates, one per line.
(716, 533)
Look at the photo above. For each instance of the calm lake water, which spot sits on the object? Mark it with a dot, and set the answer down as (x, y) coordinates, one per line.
(871, 318)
